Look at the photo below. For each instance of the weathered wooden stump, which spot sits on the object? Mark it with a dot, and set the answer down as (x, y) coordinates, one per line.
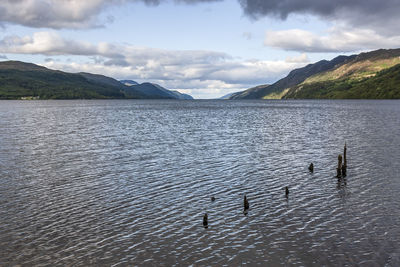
(246, 203)
(339, 168)
(344, 166)
(311, 167)
(205, 220)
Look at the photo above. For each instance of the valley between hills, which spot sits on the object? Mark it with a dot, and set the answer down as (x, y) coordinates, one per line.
(370, 75)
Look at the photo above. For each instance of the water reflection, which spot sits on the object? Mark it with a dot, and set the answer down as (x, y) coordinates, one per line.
(341, 183)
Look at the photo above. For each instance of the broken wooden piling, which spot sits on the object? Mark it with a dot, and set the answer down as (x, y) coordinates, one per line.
(344, 166)
(311, 167)
(339, 168)
(246, 203)
(205, 220)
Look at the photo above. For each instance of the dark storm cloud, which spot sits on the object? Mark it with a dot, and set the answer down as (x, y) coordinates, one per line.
(370, 13)
(157, 2)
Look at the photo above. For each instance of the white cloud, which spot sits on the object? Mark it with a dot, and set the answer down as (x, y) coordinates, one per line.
(337, 39)
(51, 43)
(51, 13)
(302, 58)
(47, 43)
(59, 14)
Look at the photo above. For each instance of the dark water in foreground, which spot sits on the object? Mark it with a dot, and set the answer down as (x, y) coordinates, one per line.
(119, 183)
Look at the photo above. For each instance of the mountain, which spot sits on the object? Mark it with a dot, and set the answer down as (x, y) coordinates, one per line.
(228, 96)
(253, 93)
(103, 80)
(22, 66)
(182, 96)
(367, 75)
(155, 90)
(19, 80)
(277, 90)
(382, 85)
(372, 75)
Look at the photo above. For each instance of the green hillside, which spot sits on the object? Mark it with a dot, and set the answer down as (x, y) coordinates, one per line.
(20, 80)
(371, 75)
(382, 85)
(295, 77)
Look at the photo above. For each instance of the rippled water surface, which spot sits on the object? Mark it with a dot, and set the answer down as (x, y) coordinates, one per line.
(117, 183)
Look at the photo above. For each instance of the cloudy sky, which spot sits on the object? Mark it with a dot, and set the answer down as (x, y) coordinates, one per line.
(207, 48)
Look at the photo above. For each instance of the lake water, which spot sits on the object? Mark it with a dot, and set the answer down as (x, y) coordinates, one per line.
(126, 182)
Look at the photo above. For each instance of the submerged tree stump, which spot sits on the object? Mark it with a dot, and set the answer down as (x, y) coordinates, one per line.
(246, 203)
(339, 167)
(344, 166)
(311, 167)
(205, 220)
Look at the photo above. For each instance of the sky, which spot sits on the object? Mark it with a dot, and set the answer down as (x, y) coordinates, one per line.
(206, 48)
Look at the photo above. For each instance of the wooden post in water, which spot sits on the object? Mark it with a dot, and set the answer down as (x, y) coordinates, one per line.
(205, 221)
(245, 203)
(339, 168)
(344, 166)
(311, 167)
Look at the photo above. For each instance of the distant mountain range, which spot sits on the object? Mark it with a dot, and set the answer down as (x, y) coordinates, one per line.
(371, 75)
(228, 96)
(20, 80)
(152, 90)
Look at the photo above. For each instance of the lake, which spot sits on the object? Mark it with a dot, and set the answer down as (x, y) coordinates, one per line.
(127, 182)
